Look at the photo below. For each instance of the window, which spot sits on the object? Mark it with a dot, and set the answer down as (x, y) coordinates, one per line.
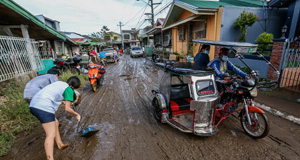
(157, 39)
(205, 87)
(167, 38)
(181, 32)
(126, 36)
(115, 38)
(59, 49)
(199, 30)
(107, 38)
(135, 48)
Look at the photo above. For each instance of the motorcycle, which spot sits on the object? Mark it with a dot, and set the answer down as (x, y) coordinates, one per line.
(96, 75)
(64, 66)
(188, 98)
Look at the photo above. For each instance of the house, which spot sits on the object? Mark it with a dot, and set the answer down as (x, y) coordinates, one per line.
(290, 18)
(285, 53)
(79, 39)
(59, 47)
(162, 40)
(146, 40)
(213, 20)
(25, 36)
(113, 39)
(130, 38)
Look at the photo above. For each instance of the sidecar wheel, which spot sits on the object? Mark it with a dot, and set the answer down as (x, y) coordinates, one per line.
(156, 110)
(260, 127)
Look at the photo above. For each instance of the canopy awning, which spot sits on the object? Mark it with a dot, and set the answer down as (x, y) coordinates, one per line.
(13, 14)
(227, 44)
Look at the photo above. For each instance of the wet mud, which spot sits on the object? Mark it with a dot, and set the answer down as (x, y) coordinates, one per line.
(121, 109)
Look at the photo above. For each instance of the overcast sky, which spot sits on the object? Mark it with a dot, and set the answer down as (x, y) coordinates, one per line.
(87, 16)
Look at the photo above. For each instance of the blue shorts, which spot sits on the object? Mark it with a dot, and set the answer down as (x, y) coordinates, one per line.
(42, 116)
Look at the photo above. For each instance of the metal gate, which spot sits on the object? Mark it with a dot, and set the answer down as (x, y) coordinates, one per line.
(18, 56)
(290, 74)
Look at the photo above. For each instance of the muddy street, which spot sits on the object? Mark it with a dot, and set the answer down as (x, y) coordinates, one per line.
(122, 110)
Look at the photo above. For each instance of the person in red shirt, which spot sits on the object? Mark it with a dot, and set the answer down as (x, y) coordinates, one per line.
(120, 51)
(94, 55)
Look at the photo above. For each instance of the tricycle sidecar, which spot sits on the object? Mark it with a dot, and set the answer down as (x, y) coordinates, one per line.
(186, 98)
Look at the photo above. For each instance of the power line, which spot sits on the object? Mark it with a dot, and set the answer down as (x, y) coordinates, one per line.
(141, 24)
(141, 16)
(135, 15)
(163, 8)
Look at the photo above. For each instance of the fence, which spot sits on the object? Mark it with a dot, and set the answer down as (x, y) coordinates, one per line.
(18, 57)
(290, 75)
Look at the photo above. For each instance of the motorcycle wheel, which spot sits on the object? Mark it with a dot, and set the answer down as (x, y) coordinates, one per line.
(94, 87)
(101, 80)
(260, 126)
(157, 111)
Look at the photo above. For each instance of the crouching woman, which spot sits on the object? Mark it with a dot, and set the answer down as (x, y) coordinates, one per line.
(45, 103)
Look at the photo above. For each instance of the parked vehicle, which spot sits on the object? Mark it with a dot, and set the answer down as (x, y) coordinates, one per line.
(96, 75)
(188, 98)
(109, 54)
(136, 52)
(154, 56)
(64, 66)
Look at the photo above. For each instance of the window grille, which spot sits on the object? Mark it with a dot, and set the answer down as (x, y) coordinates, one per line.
(18, 57)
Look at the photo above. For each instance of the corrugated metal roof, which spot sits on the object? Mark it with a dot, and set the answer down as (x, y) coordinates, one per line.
(217, 4)
(23, 12)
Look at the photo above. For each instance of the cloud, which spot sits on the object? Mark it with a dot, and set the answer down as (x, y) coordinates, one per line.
(87, 16)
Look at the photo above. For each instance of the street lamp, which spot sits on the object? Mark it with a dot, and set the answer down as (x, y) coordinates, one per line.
(283, 30)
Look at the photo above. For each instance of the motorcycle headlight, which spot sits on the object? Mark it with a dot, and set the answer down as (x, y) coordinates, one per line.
(253, 92)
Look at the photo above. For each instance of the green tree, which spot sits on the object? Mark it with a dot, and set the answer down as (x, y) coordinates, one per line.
(246, 19)
(264, 41)
(96, 36)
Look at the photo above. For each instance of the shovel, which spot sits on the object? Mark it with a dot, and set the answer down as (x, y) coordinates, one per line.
(88, 132)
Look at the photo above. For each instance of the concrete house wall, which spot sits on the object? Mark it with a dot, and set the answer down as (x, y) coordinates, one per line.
(231, 33)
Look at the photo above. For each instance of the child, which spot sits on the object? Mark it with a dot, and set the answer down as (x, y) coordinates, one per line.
(45, 103)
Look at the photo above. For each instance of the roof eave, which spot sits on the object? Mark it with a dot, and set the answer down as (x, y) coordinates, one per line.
(168, 15)
(23, 12)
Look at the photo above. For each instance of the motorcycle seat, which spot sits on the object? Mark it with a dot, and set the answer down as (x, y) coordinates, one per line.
(180, 104)
(70, 63)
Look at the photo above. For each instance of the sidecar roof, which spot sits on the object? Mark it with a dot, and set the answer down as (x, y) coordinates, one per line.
(185, 69)
(227, 44)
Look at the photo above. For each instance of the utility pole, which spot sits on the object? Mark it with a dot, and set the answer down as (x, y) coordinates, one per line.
(152, 13)
(152, 9)
(120, 24)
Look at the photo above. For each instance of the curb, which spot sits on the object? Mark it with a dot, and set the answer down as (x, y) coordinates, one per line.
(277, 113)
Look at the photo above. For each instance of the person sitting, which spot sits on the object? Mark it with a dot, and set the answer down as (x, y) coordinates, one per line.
(202, 59)
(39, 82)
(221, 65)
